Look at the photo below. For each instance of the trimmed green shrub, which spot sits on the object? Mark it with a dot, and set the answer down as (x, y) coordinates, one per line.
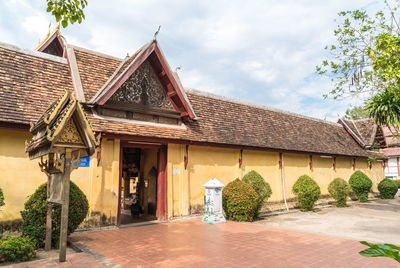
(1, 198)
(16, 249)
(34, 215)
(262, 188)
(397, 182)
(361, 185)
(387, 189)
(339, 189)
(239, 201)
(307, 191)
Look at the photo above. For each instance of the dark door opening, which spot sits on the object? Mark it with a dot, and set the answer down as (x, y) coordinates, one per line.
(138, 185)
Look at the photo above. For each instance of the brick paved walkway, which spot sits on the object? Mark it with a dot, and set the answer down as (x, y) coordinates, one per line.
(81, 260)
(193, 244)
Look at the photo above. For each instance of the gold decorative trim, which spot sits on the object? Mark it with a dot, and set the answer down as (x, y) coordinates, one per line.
(48, 35)
(48, 117)
(76, 161)
(61, 123)
(59, 163)
(87, 126)
(44, 166)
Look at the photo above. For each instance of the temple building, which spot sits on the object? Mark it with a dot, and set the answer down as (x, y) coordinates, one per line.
(159, 142)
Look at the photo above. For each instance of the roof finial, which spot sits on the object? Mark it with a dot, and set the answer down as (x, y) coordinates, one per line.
(156, 33)
(58, 26)
(48, 32)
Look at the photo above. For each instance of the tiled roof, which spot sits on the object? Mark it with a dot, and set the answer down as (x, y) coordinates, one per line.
(95, 70)
(393, 151)
(30, 83)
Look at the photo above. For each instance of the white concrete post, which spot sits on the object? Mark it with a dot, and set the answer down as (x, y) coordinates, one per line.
(213, 202)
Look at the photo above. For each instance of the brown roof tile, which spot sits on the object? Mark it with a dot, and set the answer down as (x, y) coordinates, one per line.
(95, 70)
(29, 84)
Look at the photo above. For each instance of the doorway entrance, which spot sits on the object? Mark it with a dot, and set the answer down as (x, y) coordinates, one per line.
(142, 178)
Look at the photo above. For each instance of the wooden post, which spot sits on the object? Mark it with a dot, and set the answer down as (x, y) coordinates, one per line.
(65, 206)
(47, 242)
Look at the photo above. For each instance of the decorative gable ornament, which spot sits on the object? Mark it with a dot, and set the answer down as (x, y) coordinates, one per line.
(145, 79)
(64, 124)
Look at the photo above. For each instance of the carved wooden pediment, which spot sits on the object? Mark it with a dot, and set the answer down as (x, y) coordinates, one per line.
(142, 88)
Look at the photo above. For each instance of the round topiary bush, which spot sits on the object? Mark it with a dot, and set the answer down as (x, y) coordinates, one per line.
(307, 191)
(1, 198)
(239, 201)
(361, 185)
(34, 215)
(387, 189)
(262, 188)
(16, 249)
(339, 189)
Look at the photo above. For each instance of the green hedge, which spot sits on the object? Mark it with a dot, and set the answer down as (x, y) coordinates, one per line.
(240, 201)
(361, 184)
(34, 215)
(307, 191)
(339, 189)
(262, 188)
(16, 249)
(387, 189)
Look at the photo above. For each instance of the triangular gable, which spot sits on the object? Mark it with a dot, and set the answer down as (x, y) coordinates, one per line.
(52, 44)
(152, 54)
(353, 132)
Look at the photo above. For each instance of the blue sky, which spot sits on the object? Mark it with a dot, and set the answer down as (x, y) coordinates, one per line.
(257, 51)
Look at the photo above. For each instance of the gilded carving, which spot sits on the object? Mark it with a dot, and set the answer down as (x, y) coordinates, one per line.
(70, 134)
(59, 163)
(143, 87)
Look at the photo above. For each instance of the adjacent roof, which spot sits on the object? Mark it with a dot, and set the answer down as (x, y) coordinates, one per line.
(30, 82)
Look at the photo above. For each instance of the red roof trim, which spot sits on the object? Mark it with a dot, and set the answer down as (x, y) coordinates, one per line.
(348, 129)
(54, 38)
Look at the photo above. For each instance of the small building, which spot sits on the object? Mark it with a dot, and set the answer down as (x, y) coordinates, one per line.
(379, 138)
(159, 142)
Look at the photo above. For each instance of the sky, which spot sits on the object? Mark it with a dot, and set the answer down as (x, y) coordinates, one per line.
(263, 52)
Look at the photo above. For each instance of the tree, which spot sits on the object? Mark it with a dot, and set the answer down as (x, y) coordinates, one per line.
(356, 113)
(366, 59)
(67, 11)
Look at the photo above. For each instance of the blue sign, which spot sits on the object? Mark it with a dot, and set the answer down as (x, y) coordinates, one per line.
(85, 161)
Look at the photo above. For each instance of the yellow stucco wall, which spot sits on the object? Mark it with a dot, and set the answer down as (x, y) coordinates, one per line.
(185, 191)
(20, 177)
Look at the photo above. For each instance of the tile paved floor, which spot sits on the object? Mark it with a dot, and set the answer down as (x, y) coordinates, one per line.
(194, 244)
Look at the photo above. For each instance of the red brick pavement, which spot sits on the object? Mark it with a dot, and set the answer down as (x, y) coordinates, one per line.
(76, 260)
(194, 244)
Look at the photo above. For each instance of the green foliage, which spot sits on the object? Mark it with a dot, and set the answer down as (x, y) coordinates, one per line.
(356, 113)
(307, 191)
(397, 182)
(16, 249)
(387, 189)
(34, 214)
(361, 185)
(239, 201)
(339, 189)
(381, 250)
(365, 59)
(1, 198)
(262, 188)
(67, 11)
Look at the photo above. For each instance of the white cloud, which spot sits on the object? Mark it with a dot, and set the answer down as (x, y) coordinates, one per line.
(260, 51)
